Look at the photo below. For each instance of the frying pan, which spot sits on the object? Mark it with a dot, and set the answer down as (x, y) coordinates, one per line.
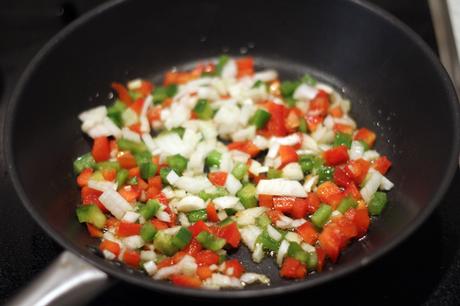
(396, 85)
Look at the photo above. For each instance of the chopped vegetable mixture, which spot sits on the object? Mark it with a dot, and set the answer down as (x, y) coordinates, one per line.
(183, 173)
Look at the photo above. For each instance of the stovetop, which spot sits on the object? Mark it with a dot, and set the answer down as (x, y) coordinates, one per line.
(425, 269)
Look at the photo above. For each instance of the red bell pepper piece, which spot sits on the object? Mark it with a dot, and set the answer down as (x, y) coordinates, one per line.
(360, 218)
(126, 229)
(109, 174)
(365, 135)
(136, 128)
(203, 272)
(186, 281)
(336, 111)
(122, 93)
(274, 215)
(126, 160)
(319, 106)
(233, 268)
(91, 196)
(283, 204)
(341, 177)
(293, 269)
(313, 122)
(129, 193)
(218, 178)
(198, 227)
(193, 247)
(328, 193)
(145, 89)
(265, 200)
(94, 231)
(321, 258)
(313, 202)
(308, 233)
(288, 155)
(357, 169)
(336, 156)
(212, 212)
(343, 128)
(244, 146)
(231, 234)
(137, 106)
(159, 225)
(206, 258)
(245, 66)
(300, 208)
(131, 258)
(101, 149)
(382, 164)
(330, 240)
(353, 191)
(110, 246)
(276, 125)
(84, 176)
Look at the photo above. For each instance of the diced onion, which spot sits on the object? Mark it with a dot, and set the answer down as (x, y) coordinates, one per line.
(115, 203)
(232, 184)
(282, 251)
(190, 203)
(281, 187)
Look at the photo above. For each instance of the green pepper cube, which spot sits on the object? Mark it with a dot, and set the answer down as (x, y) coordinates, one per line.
(240, 170)
(226, 221)
(288, 88)
(343, 139)
(310, 162)
(321, 216)
(150, 209)
(210, 242)
(178, 163)
(106, 165)
(219, 192)
(164, 243)
(148, 232)
(128, 145)
(114, 112)
(260, 118)
(178, 130)
(91, 214)
(263, 220)
(296, 251)
(83, 162)
(312, 261)
(221, 62)
(182, 238)
(203, 110)
(274, 173)
(308, 79)
(268, 243)
(247, 196)
(213, 159)
(197, 215)
(303, 127)
(377, 203)
(346, 204)
(122, 176)
(325, 173)
(164, 173)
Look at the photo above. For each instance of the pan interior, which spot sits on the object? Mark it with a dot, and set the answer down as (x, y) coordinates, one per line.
(396, 89)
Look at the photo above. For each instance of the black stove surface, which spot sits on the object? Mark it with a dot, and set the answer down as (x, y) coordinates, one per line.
(425, 269)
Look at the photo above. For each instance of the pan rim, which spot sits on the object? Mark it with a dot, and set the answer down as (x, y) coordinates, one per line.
(164, 287)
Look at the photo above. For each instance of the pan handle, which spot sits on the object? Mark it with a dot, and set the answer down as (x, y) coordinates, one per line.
(69, 280)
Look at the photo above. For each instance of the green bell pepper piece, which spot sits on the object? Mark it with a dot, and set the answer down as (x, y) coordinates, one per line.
(83, 162)
(164, 243)
(263, 220)
(268, 243)
(122, 176)
(148, 232)
(178, 163)
(274, 173)
(134, 147)
(150, 209)
(91, 214)
(210, 242)
(343, 139)
(296, 251)
(260, 118)
(182, 238)
(240, 170)
(203, 110)
(346, 204)
(197, 215)
(247, 195)
(321, 216)
(377, 203)
(114, 112)
(213, 159)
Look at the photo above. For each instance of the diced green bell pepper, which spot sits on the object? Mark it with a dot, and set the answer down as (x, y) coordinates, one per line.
(178, 163)
(288, 88)
(377, 203)
(219, 192)
(83, 162)
(247, 195)
(133, 181)
(296, 251)
(197, 215)
(134, 147)
(274, 173)
(203, 110)
(122, 176)
(310, 162)
(342, 139)
(240, 170)
(308, 79)
(221, 62)
(312, 262)
(164, 173)
(210, 242)
(303, 127)
(226, 221)
(148, 231)
(346, 204)
(91, 214)
(321, 215)
(182, 238)
(268, 243)
(325, 173)
(161, 93)
(260, 118)
(213, 159)
(263, 220)
(114, 112)
(150, 209)
(108, 165)
(164, 243)
(97, 176)
(178, 130)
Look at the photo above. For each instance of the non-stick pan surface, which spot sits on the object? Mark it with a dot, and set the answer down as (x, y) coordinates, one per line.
(396, 85)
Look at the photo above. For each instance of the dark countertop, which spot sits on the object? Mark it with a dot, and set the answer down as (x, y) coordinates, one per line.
(424, 269)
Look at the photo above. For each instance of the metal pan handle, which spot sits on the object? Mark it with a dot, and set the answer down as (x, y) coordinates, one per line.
(67, 281)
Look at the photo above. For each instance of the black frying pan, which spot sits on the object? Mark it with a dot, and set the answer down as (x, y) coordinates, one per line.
(396, 84)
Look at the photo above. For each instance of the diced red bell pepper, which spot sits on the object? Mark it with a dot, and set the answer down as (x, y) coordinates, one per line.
(129, 193)
(336, 111)
(245, 66)
(110, 246)
(186, 281)
(231, 234)
(233, 268)
(131, 258)
(308, 233)
(353, 191)
(218, 178)
(176, 77)
(313, 122)
(343, 128)
(244, 146)
(265, 200)
(283, 204)
(288, 155)
(136, 127)
(327, 192)
(122, 93)
(161, 197)
(101, 149)
(84, 176)
(155, 181)
(198, 227)
(203, 272)
(321, 258)
(159, 225)
(276, 124)
(330, 240)
(134, 172)
(382, 164)
(112, 222)
(109, 174)
(341, 177)
(145, 89)
(360, 218)
(94, 231)
(126, 229)
(91, 196)
(357, 169)
(300, 208)
(193, 247)
(206, 258)
(126, 160)
(152, 192)
(365, 135)
(274, 215)
(313, 202)
(212, 212)
(347, 227)
(137, 106)
(319, 106)
(167, 262)
(154, 113)
(293, 269)
(336, 156)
